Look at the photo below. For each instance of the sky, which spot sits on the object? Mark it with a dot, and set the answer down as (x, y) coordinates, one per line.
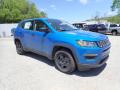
(74, 10)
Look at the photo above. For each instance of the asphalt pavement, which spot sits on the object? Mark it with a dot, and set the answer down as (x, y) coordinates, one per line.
(34, 72)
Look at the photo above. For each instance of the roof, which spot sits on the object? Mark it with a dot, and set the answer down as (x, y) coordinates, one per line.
(35, 19)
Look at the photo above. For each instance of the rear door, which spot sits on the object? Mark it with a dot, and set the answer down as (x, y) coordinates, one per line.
(102, 28)
(28, 30)
(93, 28)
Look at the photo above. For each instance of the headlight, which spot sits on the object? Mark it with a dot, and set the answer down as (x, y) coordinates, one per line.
(86, 43)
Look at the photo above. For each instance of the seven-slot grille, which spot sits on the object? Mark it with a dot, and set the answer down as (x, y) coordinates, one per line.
(103, 43)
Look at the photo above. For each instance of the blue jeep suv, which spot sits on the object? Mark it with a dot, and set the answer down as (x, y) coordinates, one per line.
(69, 47)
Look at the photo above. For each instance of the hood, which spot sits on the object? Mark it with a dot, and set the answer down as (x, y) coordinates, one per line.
(82, 35)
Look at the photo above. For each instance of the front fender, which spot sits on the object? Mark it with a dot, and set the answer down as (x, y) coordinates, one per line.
(65, 45)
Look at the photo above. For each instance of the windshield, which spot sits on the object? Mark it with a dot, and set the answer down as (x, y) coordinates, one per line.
(61, 25)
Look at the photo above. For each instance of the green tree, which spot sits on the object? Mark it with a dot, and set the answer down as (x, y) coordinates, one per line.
(114, 19)
(116, 5)
(16, 10)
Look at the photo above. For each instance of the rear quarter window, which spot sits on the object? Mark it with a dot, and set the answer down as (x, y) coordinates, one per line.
(28, 25)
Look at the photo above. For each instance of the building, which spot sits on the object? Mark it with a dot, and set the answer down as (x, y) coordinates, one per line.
(5, 29)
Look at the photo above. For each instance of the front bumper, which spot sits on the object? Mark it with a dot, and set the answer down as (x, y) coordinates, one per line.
(82, 67)
(102, 55)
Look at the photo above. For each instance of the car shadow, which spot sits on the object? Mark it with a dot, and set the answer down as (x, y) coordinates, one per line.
(40, 58)
(89, 73)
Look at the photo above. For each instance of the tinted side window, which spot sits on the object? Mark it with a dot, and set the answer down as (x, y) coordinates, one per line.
(92, 26)
(100, 26)
(28, 25)
(40, 26)
(113, 25)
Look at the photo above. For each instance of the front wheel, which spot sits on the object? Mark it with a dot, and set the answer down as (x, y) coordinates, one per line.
(64, 61)
(114, 33)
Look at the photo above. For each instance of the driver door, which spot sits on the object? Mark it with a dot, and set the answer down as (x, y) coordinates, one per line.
(39, 35)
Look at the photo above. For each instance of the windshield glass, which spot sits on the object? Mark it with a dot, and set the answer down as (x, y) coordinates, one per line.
(61, 25)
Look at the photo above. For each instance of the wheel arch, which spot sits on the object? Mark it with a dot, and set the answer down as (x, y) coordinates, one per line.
(114, 30)
(16, 39)
(59, 47)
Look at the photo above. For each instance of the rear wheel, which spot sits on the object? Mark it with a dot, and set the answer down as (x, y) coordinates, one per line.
(19, 48)
(114, 33)
(64, 61)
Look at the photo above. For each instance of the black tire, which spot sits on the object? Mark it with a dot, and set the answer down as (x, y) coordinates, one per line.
(19, 48)
(64, 61)
(114, 33)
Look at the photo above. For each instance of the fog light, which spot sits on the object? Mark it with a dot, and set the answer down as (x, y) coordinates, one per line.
(90, 56)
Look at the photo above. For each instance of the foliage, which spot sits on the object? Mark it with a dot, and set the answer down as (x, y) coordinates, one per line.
(12, 11)
(116, 5)
(116, 18)
(113, 19)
